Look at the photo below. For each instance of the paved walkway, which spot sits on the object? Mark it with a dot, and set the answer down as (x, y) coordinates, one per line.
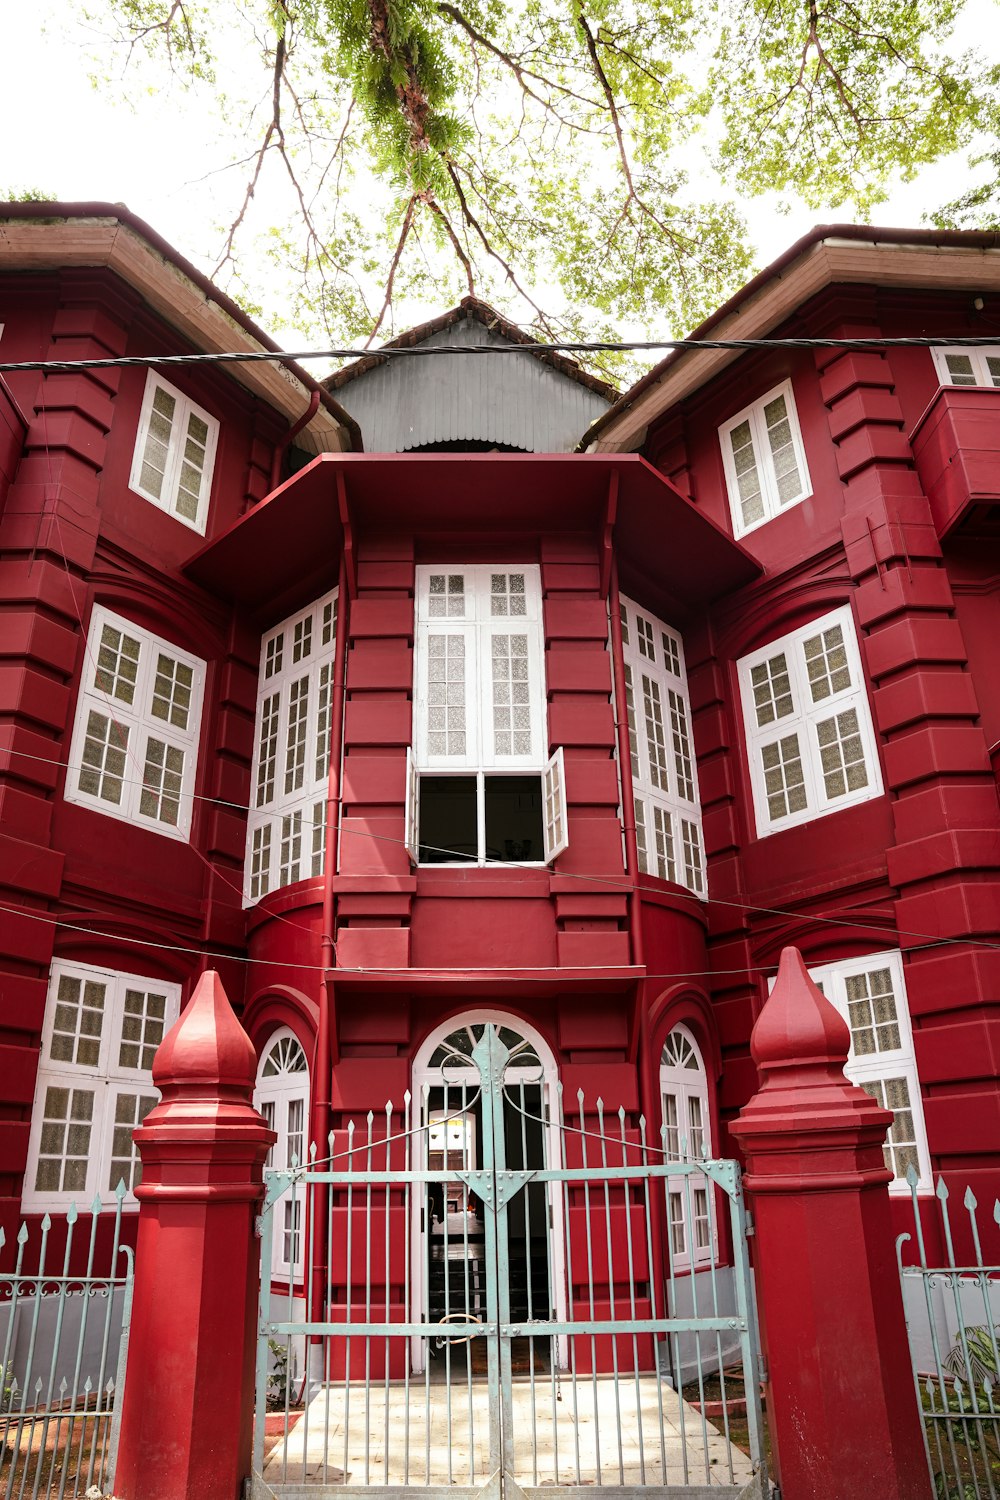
(562, 1434)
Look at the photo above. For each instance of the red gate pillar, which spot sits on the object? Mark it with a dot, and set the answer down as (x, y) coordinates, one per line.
(187, 1412)
(840, 1398)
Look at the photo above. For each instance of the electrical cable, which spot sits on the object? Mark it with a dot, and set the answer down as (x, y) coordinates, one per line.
(420, 351)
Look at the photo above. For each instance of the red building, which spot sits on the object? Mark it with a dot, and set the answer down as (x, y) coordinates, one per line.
(780, 565)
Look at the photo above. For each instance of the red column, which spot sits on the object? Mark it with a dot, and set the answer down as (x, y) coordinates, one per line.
(188, 1406)
(840, 1398)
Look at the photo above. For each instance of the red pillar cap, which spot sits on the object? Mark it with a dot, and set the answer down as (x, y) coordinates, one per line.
(798, 1026)
(207, 1045)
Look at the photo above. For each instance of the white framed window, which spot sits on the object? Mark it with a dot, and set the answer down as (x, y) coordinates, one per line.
(481, 787)
(870, 994)
(661, 751)
(764, 460)
(134, 752)
(286, 831)
(282, 1096)
(968, 366)
(174, 453)
(692, 1233)
(94, 1084)
(810, 740)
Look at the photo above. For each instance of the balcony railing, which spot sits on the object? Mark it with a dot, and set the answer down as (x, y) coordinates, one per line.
(956, 447)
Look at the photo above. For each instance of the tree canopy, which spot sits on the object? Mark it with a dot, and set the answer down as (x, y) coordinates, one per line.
(576, 163)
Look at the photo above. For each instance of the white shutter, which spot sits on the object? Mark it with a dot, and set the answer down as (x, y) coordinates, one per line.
(444, 709)
(512, 696)
(410, 830)
(554, 830)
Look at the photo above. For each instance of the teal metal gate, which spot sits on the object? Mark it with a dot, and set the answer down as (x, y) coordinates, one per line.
(490, 1319)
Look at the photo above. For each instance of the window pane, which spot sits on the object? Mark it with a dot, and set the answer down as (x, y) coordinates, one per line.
(663, 843)
(260, 862)
(511, 695)
(514, 818)
(301, 639)
(633, 743)
(64, 1148)
(446, 598)
(446, 668)
(267, 749)
(747, 478)
(172, 691)
(507, 595)
(656, 744)
(77, 1021)
(125, 1166)
(779, 437)
(784, 780)
(826, 663)
(157, 445)
(872, 1013)
(682, 745)
(295, 738)
(117, 664)
(772, 689)
(694, 872)
(162, 778)
(842, 754)
(102, 773)
(960, 369)
(644, 631)
(290, 852)
(143, 1025)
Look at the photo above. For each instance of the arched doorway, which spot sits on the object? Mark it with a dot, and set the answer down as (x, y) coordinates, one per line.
(282, 1096)
(448, 1230)
(687, 1136)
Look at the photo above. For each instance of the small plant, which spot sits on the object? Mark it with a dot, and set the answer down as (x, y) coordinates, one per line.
(982, 1343)
(277, 1380)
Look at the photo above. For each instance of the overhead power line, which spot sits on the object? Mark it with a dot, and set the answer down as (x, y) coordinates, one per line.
(422, 351)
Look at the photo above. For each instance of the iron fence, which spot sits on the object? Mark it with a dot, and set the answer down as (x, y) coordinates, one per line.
(953, 1323)
(63, 1331)
(492, 1318)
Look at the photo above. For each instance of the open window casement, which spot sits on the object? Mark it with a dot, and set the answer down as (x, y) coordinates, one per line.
(410, 834)
(556, 833)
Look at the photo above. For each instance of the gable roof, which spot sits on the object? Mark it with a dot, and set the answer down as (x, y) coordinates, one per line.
(50, 236)
(959, 259)
(493, 322)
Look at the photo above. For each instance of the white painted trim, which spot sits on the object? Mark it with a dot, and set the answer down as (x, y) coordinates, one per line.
(890, 1063)
(138, 719)
(802, 722)
(976, 357)
(303, 800)
(639, 624)
(684, 1084)
(104, 1079)
(425, 1077)
(754, 414)
(186, 408)
(282, 1090)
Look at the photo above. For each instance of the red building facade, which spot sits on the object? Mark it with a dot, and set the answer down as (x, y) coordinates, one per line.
(574, 741)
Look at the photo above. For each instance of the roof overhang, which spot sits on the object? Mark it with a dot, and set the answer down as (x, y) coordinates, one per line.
(57, 236)
(942, 260)
(290, 543)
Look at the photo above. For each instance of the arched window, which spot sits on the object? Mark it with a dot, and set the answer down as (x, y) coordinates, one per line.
(686, 1137)
(282, 1096)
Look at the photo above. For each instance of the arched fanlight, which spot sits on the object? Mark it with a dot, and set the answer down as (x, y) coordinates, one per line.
(286, 1056)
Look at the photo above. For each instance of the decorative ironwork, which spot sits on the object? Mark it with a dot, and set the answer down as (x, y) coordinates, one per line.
(491, 1318)
(64, 1333)
(953, 1323)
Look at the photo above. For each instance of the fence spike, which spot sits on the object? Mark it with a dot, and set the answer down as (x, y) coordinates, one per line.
(72, 1213)
(942, 1190)
(63, 1387)
(996, 1210)
(970, 1199)
(912, 1176)
(22, 1235)
(3, 1237)
(109, 1389)
(88, 1386)
(406, 1098)
(95, 1207)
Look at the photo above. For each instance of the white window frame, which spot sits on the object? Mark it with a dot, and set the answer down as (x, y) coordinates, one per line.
(185, 409)
(470, 618)
(889, 1063)
(803, 720)
(286, 828)
(772, 504)
(665, 784)
(685, 1085)
(106, 1079)
(280, 1093)
(131, 727)
(980, 370)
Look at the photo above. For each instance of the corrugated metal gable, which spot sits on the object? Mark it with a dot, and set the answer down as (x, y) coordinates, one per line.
(513, 400)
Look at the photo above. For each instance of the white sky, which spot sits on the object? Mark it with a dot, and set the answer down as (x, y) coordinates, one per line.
(59, 134)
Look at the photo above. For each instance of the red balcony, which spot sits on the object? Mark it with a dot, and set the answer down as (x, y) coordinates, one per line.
(956, 445)
(13, 426)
